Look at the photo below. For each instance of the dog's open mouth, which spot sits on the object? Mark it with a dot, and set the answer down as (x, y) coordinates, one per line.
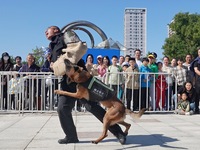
(68, 65)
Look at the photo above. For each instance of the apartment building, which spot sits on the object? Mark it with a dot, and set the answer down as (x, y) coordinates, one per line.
(135, 30)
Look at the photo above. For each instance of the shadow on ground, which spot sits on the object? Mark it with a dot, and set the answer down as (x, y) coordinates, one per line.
(139, 141)
(151, 140)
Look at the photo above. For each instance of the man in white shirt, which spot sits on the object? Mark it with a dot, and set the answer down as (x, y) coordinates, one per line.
(168, 69)
(137, 57)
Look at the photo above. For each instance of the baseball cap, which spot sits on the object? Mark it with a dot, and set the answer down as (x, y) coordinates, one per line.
(99, 56)
(151, 56)
(154, 54)
(125, 64)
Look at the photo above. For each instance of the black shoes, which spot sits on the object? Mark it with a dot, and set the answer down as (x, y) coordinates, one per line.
(196, 112)
(121, 138)
(66, 141)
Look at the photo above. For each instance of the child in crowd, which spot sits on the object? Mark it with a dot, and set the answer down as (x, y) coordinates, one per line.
(132, 85)
(124, 66)
(183, 107)
(114, 77)
(121, 94)
(191, 92)
(13, 89)
(145, 78)
(161, 86)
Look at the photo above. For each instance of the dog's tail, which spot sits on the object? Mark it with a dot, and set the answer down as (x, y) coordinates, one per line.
(135, 115)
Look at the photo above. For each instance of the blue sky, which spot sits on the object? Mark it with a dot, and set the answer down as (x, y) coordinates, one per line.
(23, 22)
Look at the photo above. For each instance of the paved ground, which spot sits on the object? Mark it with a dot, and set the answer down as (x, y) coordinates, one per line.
(40, 131)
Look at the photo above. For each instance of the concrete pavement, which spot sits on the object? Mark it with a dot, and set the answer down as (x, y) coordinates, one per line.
(40, 131)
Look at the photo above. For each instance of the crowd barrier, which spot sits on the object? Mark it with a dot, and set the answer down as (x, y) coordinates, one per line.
(33, 92)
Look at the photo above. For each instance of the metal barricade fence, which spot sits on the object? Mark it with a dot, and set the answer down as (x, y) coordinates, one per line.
(33, 91)
(28, 91)
(158, 95)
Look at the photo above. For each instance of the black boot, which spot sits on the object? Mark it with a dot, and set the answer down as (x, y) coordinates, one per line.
(66, 141)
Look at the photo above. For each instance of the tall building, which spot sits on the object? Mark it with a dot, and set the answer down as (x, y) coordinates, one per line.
(135, 31)
(170, 32)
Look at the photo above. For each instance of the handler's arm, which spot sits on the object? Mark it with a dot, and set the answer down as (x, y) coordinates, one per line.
(197, 71)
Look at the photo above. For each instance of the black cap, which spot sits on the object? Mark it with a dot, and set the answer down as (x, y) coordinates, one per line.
(5, 54)
(153, 53)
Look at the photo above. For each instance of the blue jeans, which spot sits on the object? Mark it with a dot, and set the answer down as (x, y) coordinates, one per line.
(192, 106)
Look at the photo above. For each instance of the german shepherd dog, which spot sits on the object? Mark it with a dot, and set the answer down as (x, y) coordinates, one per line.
(115, 109)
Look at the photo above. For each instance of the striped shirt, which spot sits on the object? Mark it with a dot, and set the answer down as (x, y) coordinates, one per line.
(180, 73)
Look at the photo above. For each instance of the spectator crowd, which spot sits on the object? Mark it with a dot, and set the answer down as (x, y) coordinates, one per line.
(140, 82)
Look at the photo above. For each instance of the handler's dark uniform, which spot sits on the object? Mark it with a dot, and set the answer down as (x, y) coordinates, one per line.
(197, 86)
(66, 104)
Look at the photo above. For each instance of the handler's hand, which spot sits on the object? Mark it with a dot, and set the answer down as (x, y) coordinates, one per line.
(51, 65)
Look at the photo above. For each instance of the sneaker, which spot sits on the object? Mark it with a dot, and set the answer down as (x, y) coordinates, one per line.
(175, 112)
(187, 113)
(191, 112)
(66, 141)
(121, 138)
(150, 108)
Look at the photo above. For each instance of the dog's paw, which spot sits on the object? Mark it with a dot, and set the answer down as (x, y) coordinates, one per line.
(94, 142)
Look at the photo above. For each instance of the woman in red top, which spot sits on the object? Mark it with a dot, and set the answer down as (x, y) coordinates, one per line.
(161, 86)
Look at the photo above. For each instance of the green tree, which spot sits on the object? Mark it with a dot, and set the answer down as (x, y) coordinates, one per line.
(12, 59)
(39, 56)
(185, 37)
